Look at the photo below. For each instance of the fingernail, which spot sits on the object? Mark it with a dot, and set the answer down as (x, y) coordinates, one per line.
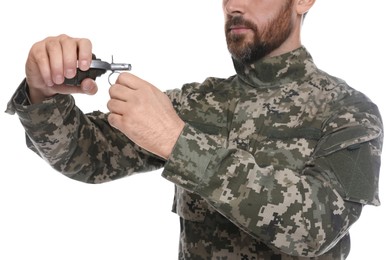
(59, 79)
(50, 83)
(69, 73)
(84, 64)
(87, 88)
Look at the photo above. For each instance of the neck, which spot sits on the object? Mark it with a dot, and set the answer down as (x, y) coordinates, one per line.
(292, 42)
(276, 70)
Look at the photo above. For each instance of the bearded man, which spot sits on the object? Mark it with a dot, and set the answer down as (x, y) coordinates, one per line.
(275, 162)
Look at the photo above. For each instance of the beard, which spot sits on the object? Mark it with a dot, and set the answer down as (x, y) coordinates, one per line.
(274, 33)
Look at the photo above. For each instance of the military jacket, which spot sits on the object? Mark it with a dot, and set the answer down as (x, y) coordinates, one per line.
(275, 162)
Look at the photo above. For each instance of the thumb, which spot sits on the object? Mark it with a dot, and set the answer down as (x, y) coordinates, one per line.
(88, 86)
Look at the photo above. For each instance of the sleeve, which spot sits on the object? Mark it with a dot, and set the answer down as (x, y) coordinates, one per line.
(300, 213)
(82, 146)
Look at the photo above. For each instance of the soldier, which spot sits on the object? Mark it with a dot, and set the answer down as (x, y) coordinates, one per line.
(275, 162)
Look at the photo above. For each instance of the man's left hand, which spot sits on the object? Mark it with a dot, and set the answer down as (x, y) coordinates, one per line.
(144, 114)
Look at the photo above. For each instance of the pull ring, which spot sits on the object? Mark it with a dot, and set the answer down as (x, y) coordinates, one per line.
(109, 77)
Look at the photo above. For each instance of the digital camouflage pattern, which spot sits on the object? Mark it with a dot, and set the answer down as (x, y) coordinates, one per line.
(275, 162)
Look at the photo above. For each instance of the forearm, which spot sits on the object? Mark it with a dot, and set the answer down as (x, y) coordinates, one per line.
(299, 214)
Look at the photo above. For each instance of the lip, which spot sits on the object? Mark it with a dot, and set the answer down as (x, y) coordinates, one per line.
(239, 29)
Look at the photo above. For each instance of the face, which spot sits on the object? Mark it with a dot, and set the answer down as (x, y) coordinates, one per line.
(255, 28)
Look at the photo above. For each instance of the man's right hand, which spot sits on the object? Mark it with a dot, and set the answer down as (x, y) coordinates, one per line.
(52, 60)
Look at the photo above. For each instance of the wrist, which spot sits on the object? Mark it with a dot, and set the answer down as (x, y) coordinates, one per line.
(171, 142)
(36, 95)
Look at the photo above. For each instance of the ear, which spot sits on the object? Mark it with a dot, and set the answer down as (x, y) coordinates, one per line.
(303, 6)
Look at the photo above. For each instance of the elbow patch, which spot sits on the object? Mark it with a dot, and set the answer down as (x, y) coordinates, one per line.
(352, 155)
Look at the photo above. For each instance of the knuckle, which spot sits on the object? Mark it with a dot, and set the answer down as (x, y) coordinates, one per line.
(121, 77)
(63, 37)
(112, 105)
(65, 40)
(111, 90)
(109, 105)
(113, 120)
(37, 52)
(40, 57)
(51, 44)
(85, 41)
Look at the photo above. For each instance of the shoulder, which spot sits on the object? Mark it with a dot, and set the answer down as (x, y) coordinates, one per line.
(336, 91)
(209, 85)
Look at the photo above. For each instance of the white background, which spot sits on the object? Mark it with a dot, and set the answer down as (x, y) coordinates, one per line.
(46, 216)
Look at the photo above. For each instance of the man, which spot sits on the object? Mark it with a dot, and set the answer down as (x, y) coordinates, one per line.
(275, 162)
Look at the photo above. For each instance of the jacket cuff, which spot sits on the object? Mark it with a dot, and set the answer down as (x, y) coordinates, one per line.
(194, 154)
(19, 100)
(35, 114)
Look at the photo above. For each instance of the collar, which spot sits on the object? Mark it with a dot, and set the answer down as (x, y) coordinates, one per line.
(273, 71)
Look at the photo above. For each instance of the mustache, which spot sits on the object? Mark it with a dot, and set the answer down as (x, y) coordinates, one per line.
(238, 21)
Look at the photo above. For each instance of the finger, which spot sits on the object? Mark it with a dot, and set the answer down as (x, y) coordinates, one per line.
(38, 58)
(120, 92)
(54, 52)
(135, 83)
(89, 86)
(115, 106)
(84, 53)
(129, 80)
(115, 120)
(69, 54)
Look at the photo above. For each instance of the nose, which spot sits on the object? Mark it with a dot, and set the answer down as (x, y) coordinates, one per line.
(234, 7)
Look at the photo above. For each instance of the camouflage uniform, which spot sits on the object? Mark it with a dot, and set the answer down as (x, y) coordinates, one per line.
(275, 162)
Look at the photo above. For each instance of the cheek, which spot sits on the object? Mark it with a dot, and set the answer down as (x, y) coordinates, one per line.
(266, 11)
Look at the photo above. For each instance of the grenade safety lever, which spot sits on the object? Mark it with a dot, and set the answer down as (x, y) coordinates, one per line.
(96, 69)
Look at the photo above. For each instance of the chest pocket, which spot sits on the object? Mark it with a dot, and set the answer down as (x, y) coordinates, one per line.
(288, 148)
(205, 128)
(206, 111)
